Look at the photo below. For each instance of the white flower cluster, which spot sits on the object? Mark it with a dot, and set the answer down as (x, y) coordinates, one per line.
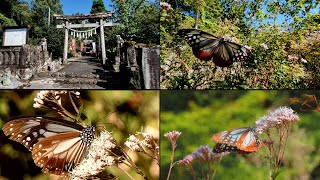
(135, 144)
(50, 95)
(280, 116)
(98, 158)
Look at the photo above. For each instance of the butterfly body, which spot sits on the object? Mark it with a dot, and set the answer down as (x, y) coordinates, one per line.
(221, 50)
(57, 145)
(242, 140)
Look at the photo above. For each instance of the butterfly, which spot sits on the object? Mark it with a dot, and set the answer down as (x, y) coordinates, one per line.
(222, 51)
(57, 145)
(221, 147)
(243, 140)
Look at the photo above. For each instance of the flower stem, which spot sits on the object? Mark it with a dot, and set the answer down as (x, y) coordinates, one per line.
(172, 157)
(126, 173)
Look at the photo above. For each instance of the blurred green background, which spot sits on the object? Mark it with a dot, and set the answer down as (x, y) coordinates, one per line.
(200, 114)
(136, 111)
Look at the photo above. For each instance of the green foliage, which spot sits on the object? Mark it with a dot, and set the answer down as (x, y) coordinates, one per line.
(4, 21)
(40, 11)
(286, 54)
(138, 21)
(97, 7)
(55, 39)
(200, 114)
(7, 7)
(19, 11)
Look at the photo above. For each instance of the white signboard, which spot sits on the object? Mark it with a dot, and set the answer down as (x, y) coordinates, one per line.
(15, 37)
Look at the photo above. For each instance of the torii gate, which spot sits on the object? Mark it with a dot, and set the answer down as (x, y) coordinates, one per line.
(68, 26)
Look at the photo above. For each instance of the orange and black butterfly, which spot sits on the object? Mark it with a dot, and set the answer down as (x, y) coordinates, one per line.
(57, 145)
(220, 50)
(242, 140)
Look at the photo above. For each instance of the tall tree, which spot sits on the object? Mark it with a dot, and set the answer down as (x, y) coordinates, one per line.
(139, 20)
(97, 7)
(18, 11)
(40, 28)
(40, 10)
(7, 6)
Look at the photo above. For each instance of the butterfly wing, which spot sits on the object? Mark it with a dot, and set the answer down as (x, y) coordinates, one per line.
(249, 141)
(221, 147)
(206, 47)
(30, 130)
(60, 153)
(243, 139)
(236, 52)
(230, 137)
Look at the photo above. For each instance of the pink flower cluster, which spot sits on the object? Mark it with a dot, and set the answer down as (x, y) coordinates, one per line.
(186, 161)
(172, 136)
(280, 116)
(202, 154)
(205, 153)
(165, 5)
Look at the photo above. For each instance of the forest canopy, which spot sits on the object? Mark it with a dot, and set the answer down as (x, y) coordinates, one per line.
(283, 37)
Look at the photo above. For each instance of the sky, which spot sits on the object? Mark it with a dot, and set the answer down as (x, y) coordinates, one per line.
(79, 6)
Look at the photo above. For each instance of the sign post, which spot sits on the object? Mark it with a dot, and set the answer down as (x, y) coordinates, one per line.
(15, 36)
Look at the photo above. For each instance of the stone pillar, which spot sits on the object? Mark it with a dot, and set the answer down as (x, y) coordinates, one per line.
(132, 58)
(103, 46)
(17, 57)
(24, 53)
(11, 58)
(1, 58)
(120, 42)
(65, 49)
(151, 67)
(6, 58)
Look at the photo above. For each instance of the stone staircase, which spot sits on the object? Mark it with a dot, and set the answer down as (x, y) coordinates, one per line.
(72, 78)
(100, 80)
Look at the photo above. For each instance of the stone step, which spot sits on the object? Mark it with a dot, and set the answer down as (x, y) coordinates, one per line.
(72, 78)
(78, 81)
(73, 75)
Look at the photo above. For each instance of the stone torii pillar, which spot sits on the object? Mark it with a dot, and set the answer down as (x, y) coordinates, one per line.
(66, 42)
(103, 46)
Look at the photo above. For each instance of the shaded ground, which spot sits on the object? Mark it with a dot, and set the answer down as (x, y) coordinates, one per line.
(80, 73)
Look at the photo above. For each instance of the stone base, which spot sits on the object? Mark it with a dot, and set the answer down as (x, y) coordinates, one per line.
(5, 77)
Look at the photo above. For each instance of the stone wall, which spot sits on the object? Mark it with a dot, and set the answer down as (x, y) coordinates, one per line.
(141, 64)
(22, 63)
(9, 57)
